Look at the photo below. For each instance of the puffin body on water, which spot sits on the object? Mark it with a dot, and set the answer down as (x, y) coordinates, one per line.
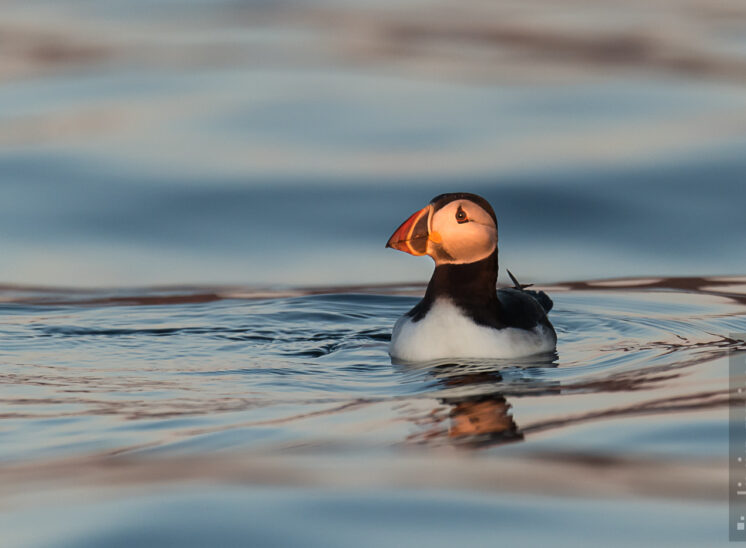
(462, 315)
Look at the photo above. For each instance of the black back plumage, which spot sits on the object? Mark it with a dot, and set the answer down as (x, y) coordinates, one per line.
(543, 299)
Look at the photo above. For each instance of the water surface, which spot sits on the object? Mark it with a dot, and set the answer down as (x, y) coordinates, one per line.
(271, 407)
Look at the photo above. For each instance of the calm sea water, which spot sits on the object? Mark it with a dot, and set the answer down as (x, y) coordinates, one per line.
(195, 301)
(228, 416)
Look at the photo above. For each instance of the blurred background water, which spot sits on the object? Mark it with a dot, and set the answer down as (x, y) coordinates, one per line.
(279, 142)
(251, 158)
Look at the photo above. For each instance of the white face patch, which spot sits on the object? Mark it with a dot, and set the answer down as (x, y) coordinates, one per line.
(466, 232)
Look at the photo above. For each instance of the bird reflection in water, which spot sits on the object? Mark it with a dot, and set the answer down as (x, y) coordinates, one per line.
(479, 413)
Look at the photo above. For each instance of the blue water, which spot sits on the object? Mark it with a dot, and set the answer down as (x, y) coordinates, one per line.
(164, 403)
(190, 517)
(195, 298)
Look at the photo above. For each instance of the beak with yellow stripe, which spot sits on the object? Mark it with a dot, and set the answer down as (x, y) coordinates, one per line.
(413, 235)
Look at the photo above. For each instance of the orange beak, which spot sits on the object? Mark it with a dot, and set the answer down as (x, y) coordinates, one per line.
(412, 236)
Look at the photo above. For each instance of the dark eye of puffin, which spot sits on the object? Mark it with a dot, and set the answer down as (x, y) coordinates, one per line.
(461, 216)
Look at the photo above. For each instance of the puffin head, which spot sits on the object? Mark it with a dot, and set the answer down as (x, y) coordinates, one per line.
(455, 228)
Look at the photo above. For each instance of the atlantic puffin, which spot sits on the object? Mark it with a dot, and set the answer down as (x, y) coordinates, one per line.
(462, 314)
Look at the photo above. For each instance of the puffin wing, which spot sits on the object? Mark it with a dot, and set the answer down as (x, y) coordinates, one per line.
(543, 299)
(524, 308)
(520, 309)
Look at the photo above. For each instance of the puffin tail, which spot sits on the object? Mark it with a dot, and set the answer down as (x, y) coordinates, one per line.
(541, 297)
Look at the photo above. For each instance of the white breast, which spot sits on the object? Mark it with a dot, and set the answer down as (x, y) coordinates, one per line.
(445, 332)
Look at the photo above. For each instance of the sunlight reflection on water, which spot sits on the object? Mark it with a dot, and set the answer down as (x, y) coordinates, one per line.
(132, 395)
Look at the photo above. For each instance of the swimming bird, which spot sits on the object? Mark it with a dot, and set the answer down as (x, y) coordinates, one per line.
(462, 314)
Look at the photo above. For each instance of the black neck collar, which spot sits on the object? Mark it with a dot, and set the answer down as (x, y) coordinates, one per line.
(471, 287)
